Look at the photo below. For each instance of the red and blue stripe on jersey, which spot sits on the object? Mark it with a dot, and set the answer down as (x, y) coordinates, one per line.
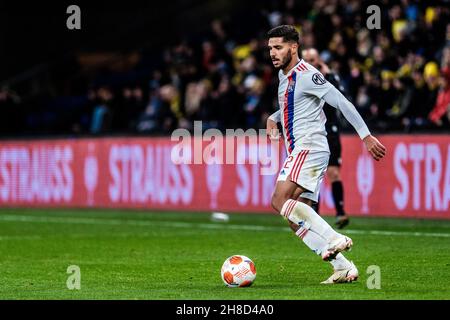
(289, 111)
(289, 106)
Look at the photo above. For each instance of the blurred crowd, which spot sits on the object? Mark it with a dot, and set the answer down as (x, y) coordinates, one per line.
(397, 76)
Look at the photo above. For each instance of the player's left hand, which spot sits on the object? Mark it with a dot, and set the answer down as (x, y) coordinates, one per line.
(375, 148)
(272, 130)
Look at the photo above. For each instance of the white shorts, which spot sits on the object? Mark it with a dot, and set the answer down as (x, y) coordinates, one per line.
(307, 169)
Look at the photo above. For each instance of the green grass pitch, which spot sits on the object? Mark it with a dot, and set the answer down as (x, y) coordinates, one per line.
(169, 255)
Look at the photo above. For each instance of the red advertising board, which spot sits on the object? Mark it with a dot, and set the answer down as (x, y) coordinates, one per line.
(412, 181)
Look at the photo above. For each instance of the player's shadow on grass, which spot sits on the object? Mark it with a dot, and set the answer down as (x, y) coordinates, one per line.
(300, 285)
(263, 286)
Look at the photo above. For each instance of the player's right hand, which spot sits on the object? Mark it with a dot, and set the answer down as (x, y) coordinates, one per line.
(272, 129)
(375, 148)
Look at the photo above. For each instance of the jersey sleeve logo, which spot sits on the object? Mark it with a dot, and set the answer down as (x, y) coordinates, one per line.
(318, 78)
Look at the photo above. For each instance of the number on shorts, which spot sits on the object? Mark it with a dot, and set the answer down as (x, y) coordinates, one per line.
(289, 160)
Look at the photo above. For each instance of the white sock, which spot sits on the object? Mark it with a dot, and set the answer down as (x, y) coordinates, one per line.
(340, 262)
(315, 242)
(303, 215)
(318, 244)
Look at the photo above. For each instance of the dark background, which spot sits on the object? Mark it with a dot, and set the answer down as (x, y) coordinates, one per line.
(125, 72)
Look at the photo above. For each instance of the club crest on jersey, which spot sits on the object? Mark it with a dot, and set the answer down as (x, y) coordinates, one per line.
(291, 86)
(318, 78)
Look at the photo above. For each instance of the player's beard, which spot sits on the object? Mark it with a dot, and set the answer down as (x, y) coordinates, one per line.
(286, 60)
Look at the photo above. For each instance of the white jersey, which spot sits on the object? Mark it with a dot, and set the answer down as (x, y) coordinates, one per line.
(300, 96)
(302, 117)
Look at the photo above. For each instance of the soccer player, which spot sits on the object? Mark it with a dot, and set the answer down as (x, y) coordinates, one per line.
(334, 141)
(302, 92)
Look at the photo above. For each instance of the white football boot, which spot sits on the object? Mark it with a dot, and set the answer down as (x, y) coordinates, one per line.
(343, 276)
(342, 243)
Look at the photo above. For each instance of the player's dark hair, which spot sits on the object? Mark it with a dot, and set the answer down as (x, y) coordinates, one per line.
(287, 32)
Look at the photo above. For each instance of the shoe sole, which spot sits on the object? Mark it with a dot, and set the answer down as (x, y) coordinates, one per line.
(331, 254)
(348, 279)
(352, 278)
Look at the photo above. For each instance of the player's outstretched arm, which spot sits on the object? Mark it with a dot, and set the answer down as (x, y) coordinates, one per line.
(336, 99)
(272, 127)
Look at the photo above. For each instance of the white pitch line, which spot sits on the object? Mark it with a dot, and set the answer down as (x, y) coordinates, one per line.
(105, 221)
(168, 224)
(3, 238)
(398, 233)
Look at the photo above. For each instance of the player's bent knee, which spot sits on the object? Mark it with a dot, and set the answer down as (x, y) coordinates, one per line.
(274, 202)
(278, 201)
